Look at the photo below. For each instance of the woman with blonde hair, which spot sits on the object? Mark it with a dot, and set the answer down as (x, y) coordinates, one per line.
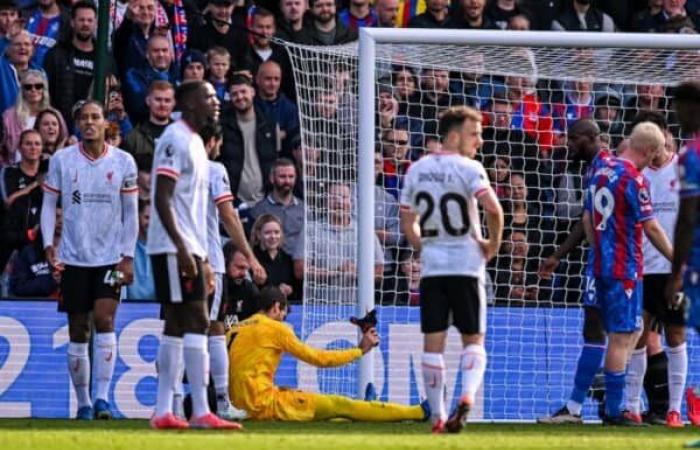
(267, 238)
(53, 130)
(33, 98)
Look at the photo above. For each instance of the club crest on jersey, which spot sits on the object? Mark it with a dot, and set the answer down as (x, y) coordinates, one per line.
(628, 292)
(169, 151)
(644, 196)
(110, 174)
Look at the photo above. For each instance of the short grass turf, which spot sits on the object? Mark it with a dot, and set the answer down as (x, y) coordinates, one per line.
(135, 435)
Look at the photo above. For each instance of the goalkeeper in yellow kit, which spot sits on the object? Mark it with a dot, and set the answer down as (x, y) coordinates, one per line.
(256, 351)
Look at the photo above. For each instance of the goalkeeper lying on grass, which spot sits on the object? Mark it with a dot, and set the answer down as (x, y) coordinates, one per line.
(256, 352)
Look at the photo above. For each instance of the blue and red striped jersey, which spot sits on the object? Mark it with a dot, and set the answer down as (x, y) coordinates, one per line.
(689, 165)
(618, 201)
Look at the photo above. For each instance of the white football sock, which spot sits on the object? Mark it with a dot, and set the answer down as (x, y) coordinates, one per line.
(473, 368)
(677, 374)
(79, 369)
(634, 380)
(574, 407)
(179, 390)
(434, 374)
(105, 358)
(218, 359)
(169, 356)
(197, 368)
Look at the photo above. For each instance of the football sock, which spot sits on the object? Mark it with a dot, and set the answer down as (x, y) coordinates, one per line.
(169, 355)
(179, 389)
(104, 359)
(219, 367)
(197, 369)
(336, 407)
(677, 373)
(434, 372)
(588, 364)
(79, 369)
(636, 368)
(656, 383)
(473, 368)
(614, 393)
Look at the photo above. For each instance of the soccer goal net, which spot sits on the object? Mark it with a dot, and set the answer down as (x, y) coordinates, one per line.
(365, 120)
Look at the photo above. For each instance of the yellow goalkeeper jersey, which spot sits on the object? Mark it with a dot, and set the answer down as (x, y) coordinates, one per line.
(254, 357)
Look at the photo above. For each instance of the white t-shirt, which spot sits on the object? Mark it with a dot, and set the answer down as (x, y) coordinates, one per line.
(219, 192)
(442, 188)
(180, 155)
(90, 191)
(664, 189)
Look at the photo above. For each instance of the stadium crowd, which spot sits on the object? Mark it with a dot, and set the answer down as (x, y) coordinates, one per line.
(47, 63)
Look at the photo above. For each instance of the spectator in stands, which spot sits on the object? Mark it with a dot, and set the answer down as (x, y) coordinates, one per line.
(404, 81)
(22, 196)
(10, 22)
(47, 23)
(528, 215)
(241, 300)
(15, 61)
(500, 12)
(402, 288)
(292, 18)
(322, 27)
(142, 287)
(31, 274)
(159, 66)
(250, 143)
(219, 64)
(276, 106)
(435, 15)
(529, 113)
(53, 130)
(387, 13)
(69, 65)
(130, 42)
(192, 65)
(655, 18)
(359, 13)
(332, 244)
(608, 116)
(647, 97)
(267, 239)
(282, 203)
(113, 135)
(576, 104)
(679, 25)
(215, 31)
(516, 275)
(520, 22)
(582, 16)
(546, 12)
(498, 169)
(116, 112)
(643, 21)
(470, 15)
(386, 216)
(141, 141)
(34, 98)
(395, 145)
(433, 97)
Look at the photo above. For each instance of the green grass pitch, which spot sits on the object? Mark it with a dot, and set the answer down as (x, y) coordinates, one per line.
(20, 434)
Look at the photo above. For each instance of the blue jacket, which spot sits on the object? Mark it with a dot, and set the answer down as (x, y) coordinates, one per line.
(31, 273)
(135, 89)
(9, 83)
(281, 111)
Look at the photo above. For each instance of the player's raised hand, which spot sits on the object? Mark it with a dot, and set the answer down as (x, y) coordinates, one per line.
(370, 339)
(126, 268)
(186, 264)
(547, 267)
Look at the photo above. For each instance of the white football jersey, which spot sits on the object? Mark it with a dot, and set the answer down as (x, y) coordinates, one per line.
(180, 154)
(442, 189)
(90, 190)
(664, 188)
(219, 192)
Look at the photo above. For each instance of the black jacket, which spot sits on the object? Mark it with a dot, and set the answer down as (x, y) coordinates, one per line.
(248, 59)
(233, 150)
(569, 20)
(309, 34)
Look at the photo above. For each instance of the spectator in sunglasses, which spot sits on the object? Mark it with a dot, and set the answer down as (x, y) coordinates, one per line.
(33, 98)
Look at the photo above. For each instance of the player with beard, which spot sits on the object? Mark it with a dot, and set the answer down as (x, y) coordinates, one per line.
(177, 244)
(69, 65)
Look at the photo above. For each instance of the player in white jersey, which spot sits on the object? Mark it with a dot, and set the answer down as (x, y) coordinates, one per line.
(177, 243)
(96, 184)
(221, 210)
(664, 191)
(440, 219)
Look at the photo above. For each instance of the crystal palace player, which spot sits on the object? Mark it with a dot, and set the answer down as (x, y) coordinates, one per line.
(687, 235)
(97, 187)
(442, 190)
(584, 145)
(617, 210)
(177, 243)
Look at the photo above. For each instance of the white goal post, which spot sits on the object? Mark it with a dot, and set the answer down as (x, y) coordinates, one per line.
(338, 92)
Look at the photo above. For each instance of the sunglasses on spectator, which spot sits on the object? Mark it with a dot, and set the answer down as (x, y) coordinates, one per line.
(37, 86)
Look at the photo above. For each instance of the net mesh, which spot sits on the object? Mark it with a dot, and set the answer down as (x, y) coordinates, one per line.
(528, 97)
